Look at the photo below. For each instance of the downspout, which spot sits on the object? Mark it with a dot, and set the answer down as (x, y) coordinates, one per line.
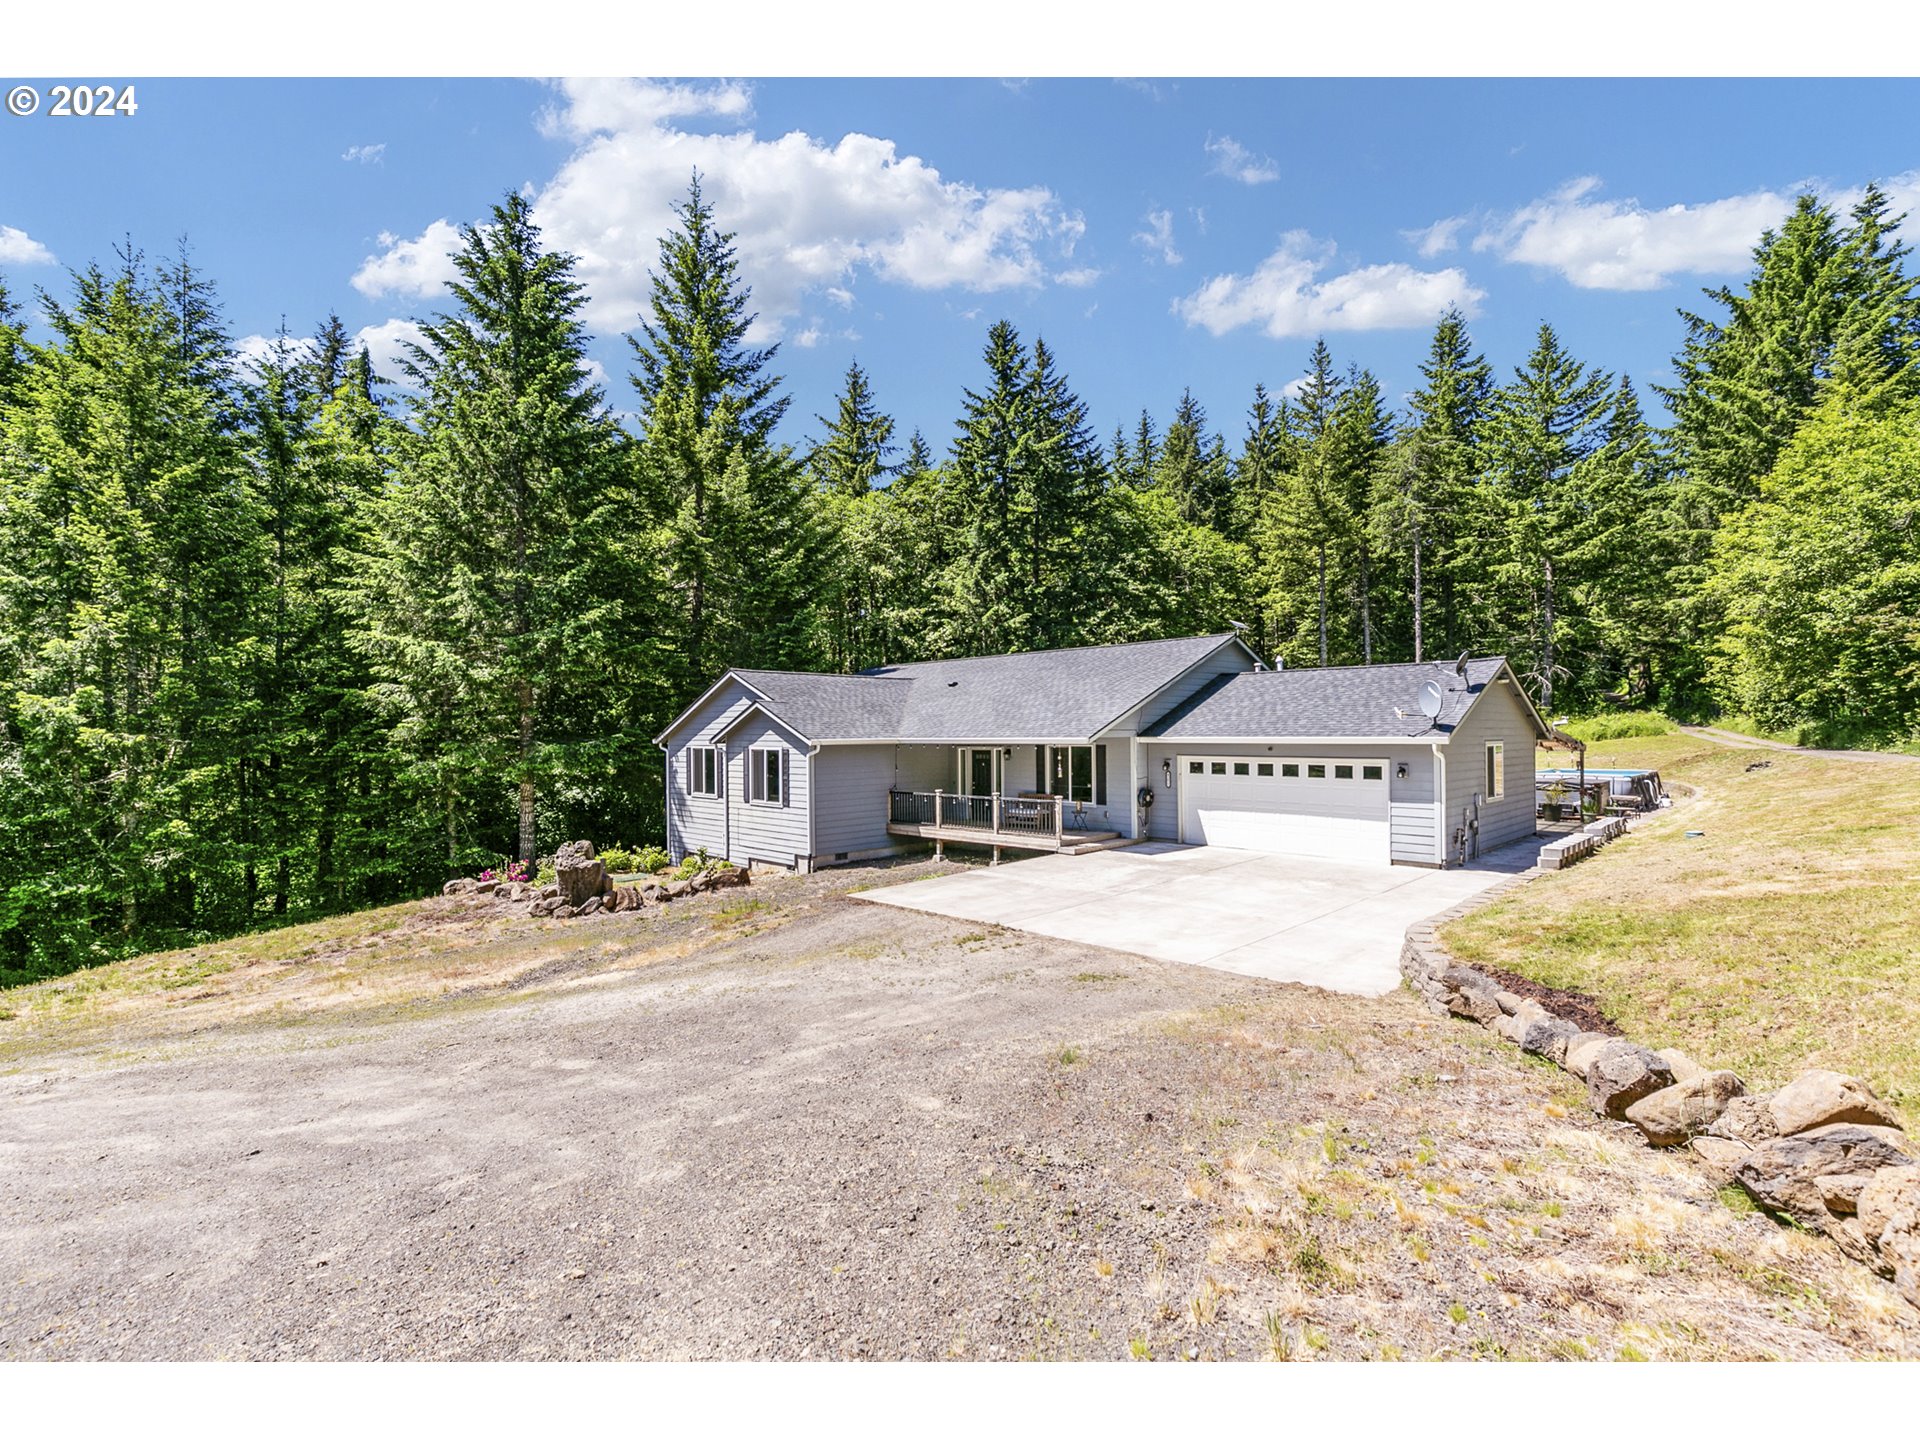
(813, 845)
(1440, 801)
(722, 759)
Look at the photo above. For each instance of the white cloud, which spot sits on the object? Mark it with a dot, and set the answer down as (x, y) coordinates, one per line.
(1159, 236)
(255, 350)
(593, 107)
(420, 267)
(1294, 388)
(365, 154)
(1237, 162)
(809, 215)
(1437, 238)
(1285, 295)
(839, 296)
(386, 344)
(1599, 244)
(1077, 277)
(19, 248)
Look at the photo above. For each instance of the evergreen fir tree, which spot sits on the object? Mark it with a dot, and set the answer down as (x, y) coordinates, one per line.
(853, 457)
(493, 583)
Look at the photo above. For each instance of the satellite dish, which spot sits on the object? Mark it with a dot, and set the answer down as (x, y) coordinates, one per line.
(1431, 699)
(1460, 665)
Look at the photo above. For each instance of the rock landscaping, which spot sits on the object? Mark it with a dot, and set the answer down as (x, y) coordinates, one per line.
(1822, 1151)
(582, 886)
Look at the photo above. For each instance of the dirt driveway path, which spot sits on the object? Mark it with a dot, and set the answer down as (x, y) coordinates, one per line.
(863, 1133)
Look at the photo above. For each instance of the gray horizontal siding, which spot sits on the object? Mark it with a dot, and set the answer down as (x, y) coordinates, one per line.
(694, 821)
(849, 784)
(778, 834)
(1412, 840)
(1497, 715)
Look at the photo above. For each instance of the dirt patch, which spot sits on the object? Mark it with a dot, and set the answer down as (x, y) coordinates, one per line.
(840, 1131)
(1576, 1006)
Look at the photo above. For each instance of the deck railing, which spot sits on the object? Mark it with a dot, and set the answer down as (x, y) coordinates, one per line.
(1022, 817)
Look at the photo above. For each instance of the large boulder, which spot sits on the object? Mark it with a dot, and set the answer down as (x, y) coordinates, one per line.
(1683, 1065)
(1889, 1223)
(1581, 1049)
(1622, 1072)
(1826, 1097)
(458, 887)
(732, 875)
(578, 874)
(1678, 1113)
(676, 888)
(1784, 1174)
(1471, 994)
(1549, 1036)
(593, 906)
(1721, 1156)
(1746, 1119)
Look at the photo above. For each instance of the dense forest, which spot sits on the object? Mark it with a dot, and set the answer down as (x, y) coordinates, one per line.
(280, 638)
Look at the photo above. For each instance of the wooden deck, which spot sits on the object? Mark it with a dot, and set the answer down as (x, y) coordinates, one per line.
(997, 822)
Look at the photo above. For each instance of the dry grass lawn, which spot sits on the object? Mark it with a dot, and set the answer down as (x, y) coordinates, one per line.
(1787, 935)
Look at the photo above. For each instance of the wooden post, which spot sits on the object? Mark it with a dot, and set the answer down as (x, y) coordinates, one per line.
(939, 846)
(996, 812)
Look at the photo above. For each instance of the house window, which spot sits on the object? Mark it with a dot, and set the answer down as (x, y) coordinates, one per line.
(1369, 772)
(703, 770)
(1496, 770)
(1343, 772)
(767, 776)
(1078, 773)
(1289, 772)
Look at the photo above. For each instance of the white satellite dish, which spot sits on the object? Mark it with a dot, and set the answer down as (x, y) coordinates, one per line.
(1431, 698)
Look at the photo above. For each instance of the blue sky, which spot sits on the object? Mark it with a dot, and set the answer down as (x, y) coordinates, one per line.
(1159, 234)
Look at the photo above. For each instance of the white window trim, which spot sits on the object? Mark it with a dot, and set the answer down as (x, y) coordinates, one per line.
(1496, 769)
(694, 758)
(1094, 796)
(757, 775)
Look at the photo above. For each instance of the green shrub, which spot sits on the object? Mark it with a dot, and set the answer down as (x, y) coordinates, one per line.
(1619, 725)
(618, 859)
(652, 859)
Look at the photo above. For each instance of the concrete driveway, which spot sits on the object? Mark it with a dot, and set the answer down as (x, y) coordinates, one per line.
(1279, 917)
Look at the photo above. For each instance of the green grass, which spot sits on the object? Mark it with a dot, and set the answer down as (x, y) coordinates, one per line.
(1619, 725)
(1786, 935)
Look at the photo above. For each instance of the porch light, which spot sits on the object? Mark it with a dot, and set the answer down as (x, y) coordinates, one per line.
(1400, 771)
(1166, 773)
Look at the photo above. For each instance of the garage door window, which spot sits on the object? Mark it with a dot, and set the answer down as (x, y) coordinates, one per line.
(1266, 770)
(1219, 767)
(1370, 772)
(1316, 772)
(1240, 767)
(1289, 772)
(1343, 772)
(1194, 767)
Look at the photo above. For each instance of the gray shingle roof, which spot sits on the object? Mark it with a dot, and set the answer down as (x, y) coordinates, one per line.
(1040, 695)
(1358, 701)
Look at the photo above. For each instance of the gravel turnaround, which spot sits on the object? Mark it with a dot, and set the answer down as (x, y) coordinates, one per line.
(804, 1126)
(770, 1149)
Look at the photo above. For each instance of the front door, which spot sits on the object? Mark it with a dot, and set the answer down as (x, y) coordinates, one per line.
(979, 772)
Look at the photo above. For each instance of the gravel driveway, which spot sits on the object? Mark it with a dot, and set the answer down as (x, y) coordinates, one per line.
(862, 1132)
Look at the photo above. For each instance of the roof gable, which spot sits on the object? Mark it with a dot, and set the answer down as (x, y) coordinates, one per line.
(1358, 702)
(1037, 695)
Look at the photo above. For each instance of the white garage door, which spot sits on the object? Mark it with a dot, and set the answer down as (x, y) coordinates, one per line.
(1335, 809)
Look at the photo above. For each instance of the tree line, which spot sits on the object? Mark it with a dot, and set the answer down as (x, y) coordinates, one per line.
(280, 638)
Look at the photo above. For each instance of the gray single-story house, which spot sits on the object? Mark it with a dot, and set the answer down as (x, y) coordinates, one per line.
(1194, 741)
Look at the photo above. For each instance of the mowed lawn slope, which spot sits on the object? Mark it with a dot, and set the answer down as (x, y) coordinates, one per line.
(1786, 935)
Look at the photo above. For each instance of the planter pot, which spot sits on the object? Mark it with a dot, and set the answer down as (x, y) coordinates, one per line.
(1551, 810)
